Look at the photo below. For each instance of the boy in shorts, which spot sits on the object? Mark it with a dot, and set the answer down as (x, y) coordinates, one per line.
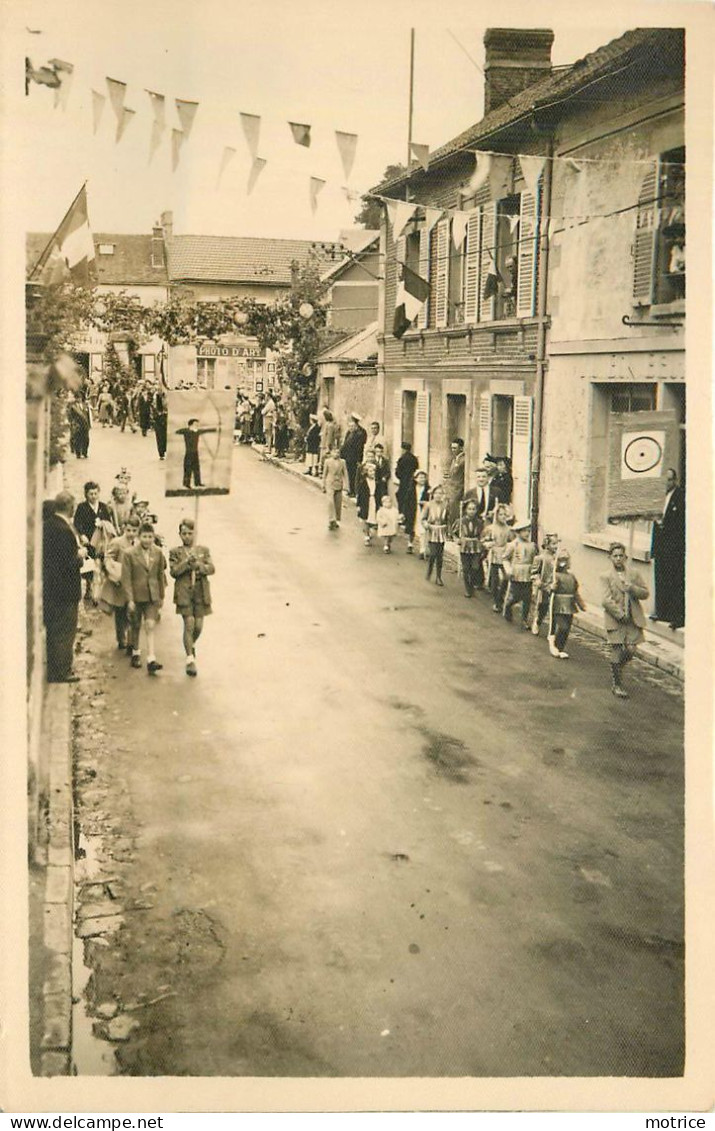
(190, 567)
(144, 582)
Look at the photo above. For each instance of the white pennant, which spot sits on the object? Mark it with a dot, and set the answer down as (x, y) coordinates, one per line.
(421, 152)
(124, 121)
(158, 105)
(177, 141)
(259, 164)
(98, 104)
(532, 168)
(513, 221)
(251, 131)
(483, 163)
(65, 73)
(400, 213)
(347, 144)
(228, 154)
(499, 176)
(432, 215)
(187, 113)
(459, 226)
(117, 92)
(317, 184)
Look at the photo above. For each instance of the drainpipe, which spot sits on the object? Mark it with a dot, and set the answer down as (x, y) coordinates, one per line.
(541, 360)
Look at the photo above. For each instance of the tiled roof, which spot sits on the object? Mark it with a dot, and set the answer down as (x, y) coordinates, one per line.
(129, 265)
(239, 259)
(638, 44)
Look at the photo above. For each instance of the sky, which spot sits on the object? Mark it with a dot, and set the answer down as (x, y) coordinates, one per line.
(338, 66)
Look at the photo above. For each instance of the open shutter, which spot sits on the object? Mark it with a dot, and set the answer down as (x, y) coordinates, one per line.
(487, 258)
(521, 456)
(644, 244)
(485, 424)
(526, 273)
(471, 285)
(425, 240)
(396, 426)
(442, 286)
(421, 446)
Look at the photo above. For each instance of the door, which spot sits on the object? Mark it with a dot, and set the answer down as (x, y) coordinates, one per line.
(409, 407)
(502, 425)
(456, 423)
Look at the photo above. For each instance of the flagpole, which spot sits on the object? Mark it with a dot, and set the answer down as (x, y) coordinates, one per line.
(411, 108)
(41, 260)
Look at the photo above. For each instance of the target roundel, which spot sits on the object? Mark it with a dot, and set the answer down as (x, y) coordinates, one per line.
(642, 454)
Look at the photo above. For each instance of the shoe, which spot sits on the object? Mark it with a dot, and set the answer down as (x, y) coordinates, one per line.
(154, 666)
(368, 540)
(136, 661)
(534, 629)
(552, 646)
(409, 548)
(191, 668)
(563, 655)
(121, 645)
(422, 557)
(130, 650)
(439, 582)
(620, 692)
(467, 594)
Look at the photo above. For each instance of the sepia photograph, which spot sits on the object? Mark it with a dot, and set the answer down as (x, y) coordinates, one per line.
(303, 288)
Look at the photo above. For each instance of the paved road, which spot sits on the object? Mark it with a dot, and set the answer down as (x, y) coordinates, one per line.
(383, 833)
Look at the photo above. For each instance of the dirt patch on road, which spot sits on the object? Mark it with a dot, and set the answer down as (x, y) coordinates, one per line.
(448, 755)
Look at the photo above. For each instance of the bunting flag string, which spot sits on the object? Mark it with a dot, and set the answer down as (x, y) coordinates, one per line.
(158, 104)
(531, 168)
(317, 184)
(228, 154)
(400, 213)
(251, 131)
(98, 103)
(124, 121)
(432, 215)
(459, 227)
(186, 112)
(117, 93)
(347, 145)
(259, 164)
(64, 72)
(301, 133)
(421, 152)
(482, 165)
(513, 222)
(499, 176)
(177, 142)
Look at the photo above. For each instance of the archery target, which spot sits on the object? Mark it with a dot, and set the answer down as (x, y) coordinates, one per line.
(642, 454)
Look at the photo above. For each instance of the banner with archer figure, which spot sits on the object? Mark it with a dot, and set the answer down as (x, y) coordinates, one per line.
(199, 441)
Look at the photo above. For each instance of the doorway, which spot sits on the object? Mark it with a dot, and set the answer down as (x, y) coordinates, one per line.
(502, 425)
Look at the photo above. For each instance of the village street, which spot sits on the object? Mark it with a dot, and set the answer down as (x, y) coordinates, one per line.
(383, 833)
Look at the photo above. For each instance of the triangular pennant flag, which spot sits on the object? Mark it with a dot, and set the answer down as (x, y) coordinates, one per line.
(412, 293)
(73, 241)
(347, 144)
(531, 168)
(512, 222)
(98, 104)
(124, 121)
(259, 164)
(45, 76)
(350, 194)
(500, 176)
(317, 184)
(117, 91)
(228, 154)
(432, 215)
(483, 162)
(491, 285)
(64, 72)
(251, 131)
(158, 105)
(301, 133)
(187, 113)
(400, 213)
(459, 227)
(415, 286)
(177, 141)
(421, 152)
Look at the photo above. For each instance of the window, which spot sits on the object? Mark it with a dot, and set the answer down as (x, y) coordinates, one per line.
(659, 245)
(506, 253)
(633, 398)
(456, 282)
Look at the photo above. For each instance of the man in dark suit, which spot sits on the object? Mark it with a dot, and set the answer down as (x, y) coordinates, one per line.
(484, 493)
(352, 450)
(62, 557)
(668, 554)
(90, 515)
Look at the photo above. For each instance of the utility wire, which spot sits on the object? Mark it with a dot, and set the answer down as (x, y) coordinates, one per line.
(464, 49)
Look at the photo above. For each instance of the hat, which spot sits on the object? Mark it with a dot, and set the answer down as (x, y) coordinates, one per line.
(522, 526)
(563, 554)
(356, 417)
(313, 417)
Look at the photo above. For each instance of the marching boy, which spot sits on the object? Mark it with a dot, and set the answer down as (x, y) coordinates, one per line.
(518, 559)
(144, 582)
(542, 574)
(190, 566)
(565, 599)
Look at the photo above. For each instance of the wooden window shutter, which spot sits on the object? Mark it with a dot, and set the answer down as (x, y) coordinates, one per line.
(487, 259)
(644, 244)
(526, 273)
(471, 288)
(425, 241)
(485, 424)
(442, 282)
(421, 448)
(521, 456)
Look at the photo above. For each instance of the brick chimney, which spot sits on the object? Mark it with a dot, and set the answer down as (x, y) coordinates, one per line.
(157, 245)
(515, 58)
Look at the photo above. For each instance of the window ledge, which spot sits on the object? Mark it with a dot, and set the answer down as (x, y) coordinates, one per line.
(668, 309)
(602, 539)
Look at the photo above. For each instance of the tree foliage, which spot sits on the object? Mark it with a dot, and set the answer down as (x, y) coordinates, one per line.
(370, 214)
